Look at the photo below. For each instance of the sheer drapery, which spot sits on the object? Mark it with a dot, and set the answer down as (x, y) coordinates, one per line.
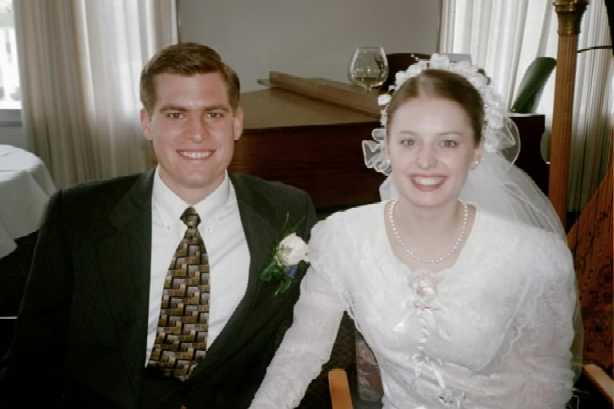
(80, 62)
(593, 109)
(504, 37)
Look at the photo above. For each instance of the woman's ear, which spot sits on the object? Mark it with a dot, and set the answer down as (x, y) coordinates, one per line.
(387, 147)
(477, 156)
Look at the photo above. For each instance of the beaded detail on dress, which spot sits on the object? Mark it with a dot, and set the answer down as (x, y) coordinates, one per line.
(423, 302)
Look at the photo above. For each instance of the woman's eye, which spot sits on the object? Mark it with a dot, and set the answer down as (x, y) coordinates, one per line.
(407, 142)
(449, 143)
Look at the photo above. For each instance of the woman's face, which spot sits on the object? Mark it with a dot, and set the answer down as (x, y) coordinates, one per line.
(431, 148)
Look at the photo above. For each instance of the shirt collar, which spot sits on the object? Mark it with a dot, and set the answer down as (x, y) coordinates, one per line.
(170, 207)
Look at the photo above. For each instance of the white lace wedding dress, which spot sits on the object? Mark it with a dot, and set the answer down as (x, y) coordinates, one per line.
(493, 331)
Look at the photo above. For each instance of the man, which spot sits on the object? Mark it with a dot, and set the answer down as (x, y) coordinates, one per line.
(97, 324)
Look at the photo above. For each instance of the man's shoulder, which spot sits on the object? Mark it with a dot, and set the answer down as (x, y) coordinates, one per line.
(98, 197)
(273, 190)
(275, 201)
(102, 188)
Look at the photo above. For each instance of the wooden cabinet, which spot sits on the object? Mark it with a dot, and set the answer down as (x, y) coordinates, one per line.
(307, 143)
(316, 146)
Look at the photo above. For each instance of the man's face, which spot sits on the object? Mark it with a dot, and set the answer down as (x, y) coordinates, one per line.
(193, 129)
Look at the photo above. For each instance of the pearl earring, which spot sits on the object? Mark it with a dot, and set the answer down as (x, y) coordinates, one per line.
(385, 165)
(475, 164)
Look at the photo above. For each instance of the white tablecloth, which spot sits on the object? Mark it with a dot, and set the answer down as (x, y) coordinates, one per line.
(25, 188)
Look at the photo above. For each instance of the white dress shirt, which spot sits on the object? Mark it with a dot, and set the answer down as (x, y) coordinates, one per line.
(224, 238)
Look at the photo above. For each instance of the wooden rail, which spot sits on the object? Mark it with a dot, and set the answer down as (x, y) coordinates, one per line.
(569, 14)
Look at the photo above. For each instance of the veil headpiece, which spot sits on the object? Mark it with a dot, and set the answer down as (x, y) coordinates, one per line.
(496, 185)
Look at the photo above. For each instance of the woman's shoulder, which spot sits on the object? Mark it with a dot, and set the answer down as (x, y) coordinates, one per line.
(359, 218)
(336, 242)
(347, 228)
(517, 231)
(523, 241)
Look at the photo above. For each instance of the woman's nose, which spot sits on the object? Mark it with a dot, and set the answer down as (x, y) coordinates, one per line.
(426, 158)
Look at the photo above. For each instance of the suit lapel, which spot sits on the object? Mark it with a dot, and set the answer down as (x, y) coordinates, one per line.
(261, 236)
(123, 253)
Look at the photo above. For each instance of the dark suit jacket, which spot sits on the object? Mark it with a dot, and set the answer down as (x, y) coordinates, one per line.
(81, 334)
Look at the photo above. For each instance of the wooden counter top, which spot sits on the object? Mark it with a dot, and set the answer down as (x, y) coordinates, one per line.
(278, 108)
(308, 143)
(315, 144)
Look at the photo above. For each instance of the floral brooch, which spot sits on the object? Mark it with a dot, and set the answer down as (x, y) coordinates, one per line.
(285, 261)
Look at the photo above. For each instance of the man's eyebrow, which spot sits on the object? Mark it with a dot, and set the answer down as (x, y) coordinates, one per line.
(173, 108)
(217, 107)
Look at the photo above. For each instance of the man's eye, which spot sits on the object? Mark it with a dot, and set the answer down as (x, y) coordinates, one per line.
(215, 115)
(174, 115)
(449, 143)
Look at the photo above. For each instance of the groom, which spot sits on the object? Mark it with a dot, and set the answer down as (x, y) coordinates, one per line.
(100, 324)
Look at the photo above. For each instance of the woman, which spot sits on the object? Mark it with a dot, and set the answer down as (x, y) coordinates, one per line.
(462, 285)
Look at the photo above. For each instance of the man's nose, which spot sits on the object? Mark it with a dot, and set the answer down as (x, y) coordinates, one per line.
(198, 128)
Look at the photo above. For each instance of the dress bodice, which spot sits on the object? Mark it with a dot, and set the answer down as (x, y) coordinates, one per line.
(481, 334)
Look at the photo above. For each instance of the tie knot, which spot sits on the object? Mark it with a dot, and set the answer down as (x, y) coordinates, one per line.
(190, 217)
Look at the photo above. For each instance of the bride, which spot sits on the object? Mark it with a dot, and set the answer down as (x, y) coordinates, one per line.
(461, 282)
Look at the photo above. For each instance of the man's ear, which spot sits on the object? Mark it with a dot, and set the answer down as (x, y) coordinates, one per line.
(237, 123)
(146, 123)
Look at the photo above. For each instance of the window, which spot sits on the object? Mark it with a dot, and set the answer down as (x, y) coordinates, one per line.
(10, 92)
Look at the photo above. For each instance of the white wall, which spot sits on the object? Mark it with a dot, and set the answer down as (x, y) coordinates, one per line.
(313, 38)
(12, 135)
(11, 131)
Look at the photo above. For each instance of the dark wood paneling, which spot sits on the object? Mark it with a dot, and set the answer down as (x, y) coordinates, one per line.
(326, 161)
(531, 129)
(316, 146)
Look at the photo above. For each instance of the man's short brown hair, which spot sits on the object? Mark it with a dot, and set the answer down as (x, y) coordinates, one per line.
(186, 59)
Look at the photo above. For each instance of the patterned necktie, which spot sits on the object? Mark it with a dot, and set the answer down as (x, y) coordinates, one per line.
(181, 338)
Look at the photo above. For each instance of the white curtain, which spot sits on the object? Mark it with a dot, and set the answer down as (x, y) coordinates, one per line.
(80, 62)
(504, 37)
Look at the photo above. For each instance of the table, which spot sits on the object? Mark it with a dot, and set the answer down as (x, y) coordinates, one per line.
(316, 145)
(307, 143)
(25, 189)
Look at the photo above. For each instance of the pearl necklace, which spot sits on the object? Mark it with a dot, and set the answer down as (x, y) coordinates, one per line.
(412, 254)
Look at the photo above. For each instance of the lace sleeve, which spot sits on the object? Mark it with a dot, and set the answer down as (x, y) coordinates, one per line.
(308, 342)
(545, 343)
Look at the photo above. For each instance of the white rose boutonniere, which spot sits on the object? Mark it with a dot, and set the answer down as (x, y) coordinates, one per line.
(286, 258)
(292, 250)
